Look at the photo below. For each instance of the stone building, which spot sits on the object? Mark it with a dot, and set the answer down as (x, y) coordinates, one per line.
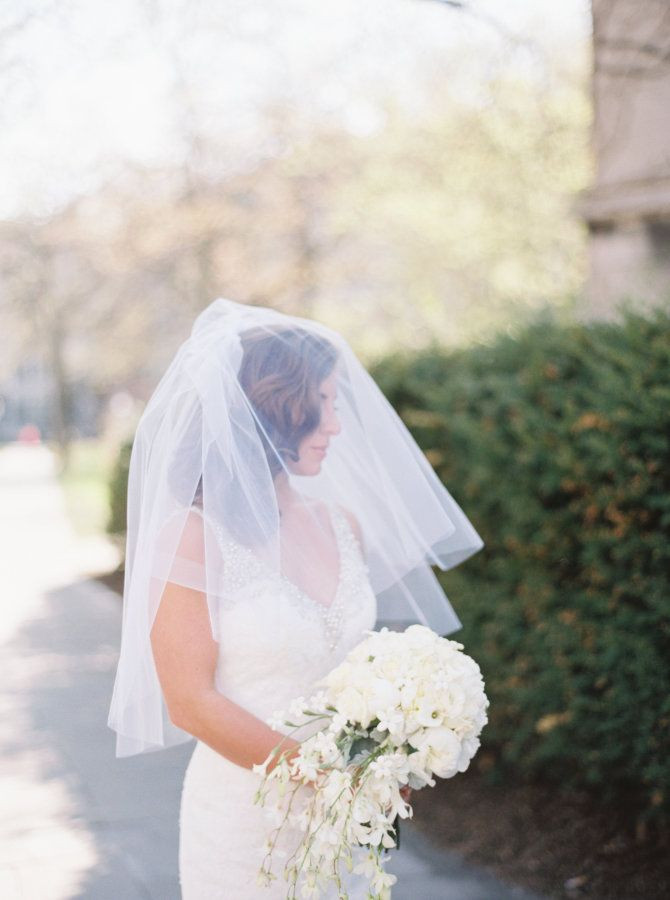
(627, 209)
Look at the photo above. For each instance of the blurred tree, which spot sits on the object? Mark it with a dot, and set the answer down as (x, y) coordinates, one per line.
(49, 275)
(469, 207)
(448, 221)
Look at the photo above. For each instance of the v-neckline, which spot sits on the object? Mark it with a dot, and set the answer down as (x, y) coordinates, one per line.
(340, 568)
(338, 521)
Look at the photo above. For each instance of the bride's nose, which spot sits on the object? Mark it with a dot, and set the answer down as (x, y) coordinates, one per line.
(330, 423)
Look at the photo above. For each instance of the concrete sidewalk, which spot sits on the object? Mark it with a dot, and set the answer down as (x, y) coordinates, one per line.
(75, 822)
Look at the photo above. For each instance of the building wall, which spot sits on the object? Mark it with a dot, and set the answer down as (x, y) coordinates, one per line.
(628, 207)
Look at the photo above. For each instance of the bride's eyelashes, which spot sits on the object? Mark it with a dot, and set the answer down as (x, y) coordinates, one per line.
(325, 397)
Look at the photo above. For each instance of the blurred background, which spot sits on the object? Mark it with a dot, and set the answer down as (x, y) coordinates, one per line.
(477, 195)
(400, 170)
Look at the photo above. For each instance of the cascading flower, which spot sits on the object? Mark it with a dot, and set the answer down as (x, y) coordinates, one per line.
(401, 708)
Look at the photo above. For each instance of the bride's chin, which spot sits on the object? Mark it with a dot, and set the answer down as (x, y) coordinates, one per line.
(306, 470)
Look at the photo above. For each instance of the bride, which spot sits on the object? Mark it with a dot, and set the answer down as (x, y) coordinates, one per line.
(277, 510)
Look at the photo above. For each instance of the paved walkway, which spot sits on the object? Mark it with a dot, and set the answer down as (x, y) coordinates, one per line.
(75, 822)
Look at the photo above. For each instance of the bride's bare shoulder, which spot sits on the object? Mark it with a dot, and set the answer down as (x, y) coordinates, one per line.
(353, 521)
(322, 510)
(185, 530)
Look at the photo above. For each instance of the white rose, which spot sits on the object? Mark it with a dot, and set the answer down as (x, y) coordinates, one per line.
(352, 704)
(381, 695)
(420, 636)
(443, 749)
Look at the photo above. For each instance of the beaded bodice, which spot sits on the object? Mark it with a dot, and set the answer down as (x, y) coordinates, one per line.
(274, 639)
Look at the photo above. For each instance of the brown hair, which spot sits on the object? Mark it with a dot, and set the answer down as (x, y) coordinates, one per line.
(280, 374)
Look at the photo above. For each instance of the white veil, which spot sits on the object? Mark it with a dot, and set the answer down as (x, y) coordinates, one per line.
(240, 410)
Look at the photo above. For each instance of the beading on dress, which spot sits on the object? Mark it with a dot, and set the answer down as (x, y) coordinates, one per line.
(242, 566)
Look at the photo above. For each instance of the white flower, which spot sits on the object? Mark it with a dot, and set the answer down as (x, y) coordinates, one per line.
(337, 723)
(337, 785)
(381, 695)
(276, 720)
(363, 808)
(301, 819)
(442, 749)
(384, 767)
(309, 890)
(264, 878)
(318, 702)
(427, 709)
(420, 636)
(378, 828)
(297, 708)
(383, 880)
(427, 697)
(274, 815)
(388, 841)
(324, 744)
(306, 767)
(352, 704)
(394, 723)
(419, 768)
(367, 866)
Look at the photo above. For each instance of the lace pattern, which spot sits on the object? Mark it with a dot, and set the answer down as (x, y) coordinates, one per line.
(244, 568)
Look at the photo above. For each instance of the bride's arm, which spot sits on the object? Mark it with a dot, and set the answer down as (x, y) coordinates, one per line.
(186, 654)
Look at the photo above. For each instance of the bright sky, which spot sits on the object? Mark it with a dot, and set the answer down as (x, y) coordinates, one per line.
(87, 85)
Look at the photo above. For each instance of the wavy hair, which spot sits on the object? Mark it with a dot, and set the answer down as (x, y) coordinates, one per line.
(280, 373)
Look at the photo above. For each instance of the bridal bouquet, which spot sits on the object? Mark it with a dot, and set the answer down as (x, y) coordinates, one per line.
(401, 708)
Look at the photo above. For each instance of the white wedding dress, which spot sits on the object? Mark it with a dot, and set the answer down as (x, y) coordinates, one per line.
(274, 643)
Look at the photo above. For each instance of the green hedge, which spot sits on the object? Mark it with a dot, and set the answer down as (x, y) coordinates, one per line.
(556, 443)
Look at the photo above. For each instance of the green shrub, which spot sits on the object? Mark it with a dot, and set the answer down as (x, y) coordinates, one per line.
(118, 491)
(556, 443)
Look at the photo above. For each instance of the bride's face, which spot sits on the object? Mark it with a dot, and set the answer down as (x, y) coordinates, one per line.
(313, 448)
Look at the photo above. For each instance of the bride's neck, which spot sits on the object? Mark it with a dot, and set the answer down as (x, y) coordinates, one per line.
(286, 495)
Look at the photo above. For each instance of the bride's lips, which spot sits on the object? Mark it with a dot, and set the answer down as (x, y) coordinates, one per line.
(321, 450)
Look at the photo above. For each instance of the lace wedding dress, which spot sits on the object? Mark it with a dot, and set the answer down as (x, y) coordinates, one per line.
(265, 662)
